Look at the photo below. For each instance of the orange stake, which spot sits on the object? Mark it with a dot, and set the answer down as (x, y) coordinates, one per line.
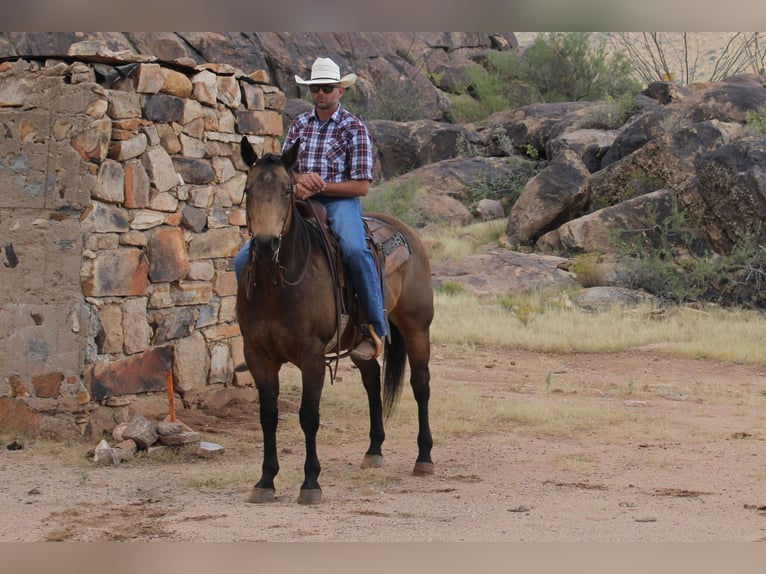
(171, 398)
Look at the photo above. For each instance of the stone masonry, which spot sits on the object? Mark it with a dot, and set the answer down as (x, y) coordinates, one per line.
(120, 212)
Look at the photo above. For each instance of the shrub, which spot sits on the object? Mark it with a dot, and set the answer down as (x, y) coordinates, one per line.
(611, 113)
(586, 269)
(755, 122)
(393, 99)
(557, 67)
(450, 288)
(396, 199)
(567, 67)
(670, 259)
(506, 188)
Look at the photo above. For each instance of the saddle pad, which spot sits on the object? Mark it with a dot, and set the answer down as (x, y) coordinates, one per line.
(388, 242)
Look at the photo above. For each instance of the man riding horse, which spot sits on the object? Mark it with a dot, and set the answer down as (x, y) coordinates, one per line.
(334, 167)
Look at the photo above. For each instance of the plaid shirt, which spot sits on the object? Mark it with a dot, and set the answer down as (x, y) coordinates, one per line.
(339, 149)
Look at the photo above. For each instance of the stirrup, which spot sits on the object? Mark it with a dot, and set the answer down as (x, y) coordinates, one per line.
(370, 347)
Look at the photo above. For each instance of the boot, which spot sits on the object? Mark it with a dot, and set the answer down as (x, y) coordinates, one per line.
(370, 346)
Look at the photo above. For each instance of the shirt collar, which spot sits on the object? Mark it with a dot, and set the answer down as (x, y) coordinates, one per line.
(335, 117)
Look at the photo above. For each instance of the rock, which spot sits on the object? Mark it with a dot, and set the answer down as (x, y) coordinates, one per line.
(179, 439)
(167, 428)
(602, 298)
(117, 432)
(209, 449)
(141, 430)
(549, 199)
(489, 209)
(105, 455)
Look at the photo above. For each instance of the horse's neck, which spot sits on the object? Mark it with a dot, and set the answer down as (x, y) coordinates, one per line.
(295, 248)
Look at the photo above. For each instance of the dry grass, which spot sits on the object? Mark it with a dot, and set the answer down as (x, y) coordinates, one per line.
(551, 326)
(446, 243)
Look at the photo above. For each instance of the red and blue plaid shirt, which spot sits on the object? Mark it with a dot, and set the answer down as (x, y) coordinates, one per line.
(339, 149)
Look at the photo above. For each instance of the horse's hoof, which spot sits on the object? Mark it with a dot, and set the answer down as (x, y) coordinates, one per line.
(310, 496)
(261, 495)
(372, 461)
(423, 468)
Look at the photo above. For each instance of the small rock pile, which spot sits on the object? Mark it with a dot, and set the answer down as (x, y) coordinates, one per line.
(141, 434)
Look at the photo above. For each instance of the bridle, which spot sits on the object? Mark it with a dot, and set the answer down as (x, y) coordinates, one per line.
(289, 219)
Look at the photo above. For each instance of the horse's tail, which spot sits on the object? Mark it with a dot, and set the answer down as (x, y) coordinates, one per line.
(394, 360)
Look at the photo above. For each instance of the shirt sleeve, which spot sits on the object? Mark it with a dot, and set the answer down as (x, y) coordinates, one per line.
(361, 156)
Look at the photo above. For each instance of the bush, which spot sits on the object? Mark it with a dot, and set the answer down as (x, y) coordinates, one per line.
(395, 199)
(557, 67)
(755, 122)
(586, 269)
(451, 288)
(567, 67)
(505, 188)
(393, 99)
(670, 259)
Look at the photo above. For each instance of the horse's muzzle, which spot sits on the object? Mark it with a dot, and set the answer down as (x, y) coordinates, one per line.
(265, 247)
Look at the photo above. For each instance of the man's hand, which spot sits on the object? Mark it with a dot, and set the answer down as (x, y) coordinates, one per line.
(308, 184)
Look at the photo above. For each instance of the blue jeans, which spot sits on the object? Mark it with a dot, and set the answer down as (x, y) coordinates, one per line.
(344, 216)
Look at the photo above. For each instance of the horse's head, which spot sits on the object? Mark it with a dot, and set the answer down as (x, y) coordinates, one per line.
(268, 197)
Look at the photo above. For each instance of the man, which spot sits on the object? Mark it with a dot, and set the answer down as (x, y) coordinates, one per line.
(335, 168)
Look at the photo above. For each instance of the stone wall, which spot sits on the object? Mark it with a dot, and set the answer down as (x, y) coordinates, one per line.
(119, 217)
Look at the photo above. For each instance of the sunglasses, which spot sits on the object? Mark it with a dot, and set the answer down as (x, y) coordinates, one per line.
(326, 89)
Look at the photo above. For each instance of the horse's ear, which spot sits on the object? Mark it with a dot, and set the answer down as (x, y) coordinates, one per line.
(291, 155)
(247, 152)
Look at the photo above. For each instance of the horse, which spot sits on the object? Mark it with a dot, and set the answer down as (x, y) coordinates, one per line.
(287, 310)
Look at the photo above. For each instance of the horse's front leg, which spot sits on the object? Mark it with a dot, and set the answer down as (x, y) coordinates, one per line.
(313, 381)
(266, 377)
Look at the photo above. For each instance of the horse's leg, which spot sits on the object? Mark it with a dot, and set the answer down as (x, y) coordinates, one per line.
(370, 371)
(419, 351)
(267, 382)
(313, 381)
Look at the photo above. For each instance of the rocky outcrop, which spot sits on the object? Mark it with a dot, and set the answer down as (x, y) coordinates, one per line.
(728, 193)
(550, 199)
(387, 63)
(695, 147)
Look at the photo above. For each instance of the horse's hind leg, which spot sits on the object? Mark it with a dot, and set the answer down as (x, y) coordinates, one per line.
(370, 371)
(418, 350)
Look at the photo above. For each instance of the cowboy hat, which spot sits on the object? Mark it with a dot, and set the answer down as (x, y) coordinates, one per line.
(325, 71)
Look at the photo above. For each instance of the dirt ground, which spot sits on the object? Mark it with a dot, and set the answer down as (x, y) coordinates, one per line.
(679, 458)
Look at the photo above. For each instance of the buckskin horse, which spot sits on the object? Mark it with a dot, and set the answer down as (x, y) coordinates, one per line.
(288, 309)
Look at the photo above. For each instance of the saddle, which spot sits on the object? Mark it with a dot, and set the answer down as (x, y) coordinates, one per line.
(389, 250)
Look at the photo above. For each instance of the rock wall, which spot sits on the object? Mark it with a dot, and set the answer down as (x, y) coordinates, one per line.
(119, 216)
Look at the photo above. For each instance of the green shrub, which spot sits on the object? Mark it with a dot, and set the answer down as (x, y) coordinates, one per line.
(670, 259)
(451, 288)
(393, 99)
(755, 122)
(611, 113)
(396, 199)
(568, 67)
(505, 188)
(586, 269)
(557, 67)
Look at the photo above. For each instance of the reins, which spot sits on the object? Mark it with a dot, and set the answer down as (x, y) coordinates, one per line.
(290, 217)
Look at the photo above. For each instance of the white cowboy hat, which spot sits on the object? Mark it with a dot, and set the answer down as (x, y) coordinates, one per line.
(325, 71)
